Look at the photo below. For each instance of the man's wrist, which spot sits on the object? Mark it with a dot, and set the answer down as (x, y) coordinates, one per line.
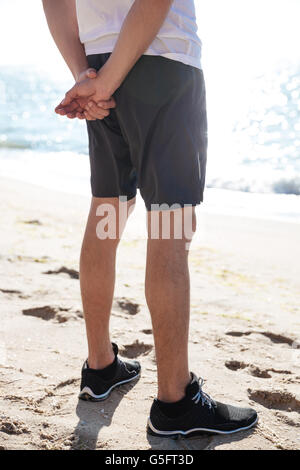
(109, 82)
(77, 74)
(79, 67)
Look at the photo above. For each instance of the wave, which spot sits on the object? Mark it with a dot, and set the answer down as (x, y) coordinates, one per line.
(289, 186)
(74, 165)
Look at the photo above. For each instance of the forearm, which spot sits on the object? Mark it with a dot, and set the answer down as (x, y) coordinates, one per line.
(63, 25)
(139, 29)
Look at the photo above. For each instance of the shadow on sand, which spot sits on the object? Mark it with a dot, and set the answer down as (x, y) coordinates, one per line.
(93, 416)
(205, 442)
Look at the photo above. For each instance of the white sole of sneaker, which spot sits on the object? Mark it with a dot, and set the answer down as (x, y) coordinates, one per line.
(156, 432)
(87, 394)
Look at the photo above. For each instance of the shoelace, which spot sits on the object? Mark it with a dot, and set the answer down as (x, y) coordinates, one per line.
(204, 397)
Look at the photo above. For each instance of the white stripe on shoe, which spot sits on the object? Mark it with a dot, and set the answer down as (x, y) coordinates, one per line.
(186, 433)
(87, 391)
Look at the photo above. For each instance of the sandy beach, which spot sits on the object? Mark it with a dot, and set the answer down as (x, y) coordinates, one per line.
(244, 339)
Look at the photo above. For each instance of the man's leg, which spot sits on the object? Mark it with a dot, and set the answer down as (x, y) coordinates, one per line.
(97, 279)
(182, 407)
(168, 298)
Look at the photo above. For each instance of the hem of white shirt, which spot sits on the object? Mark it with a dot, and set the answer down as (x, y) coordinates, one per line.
(185, 59)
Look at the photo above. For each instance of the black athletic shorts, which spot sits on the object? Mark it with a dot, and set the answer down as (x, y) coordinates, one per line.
(156, 137)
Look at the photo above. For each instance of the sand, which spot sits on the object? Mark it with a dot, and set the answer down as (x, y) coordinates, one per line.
(244, 340)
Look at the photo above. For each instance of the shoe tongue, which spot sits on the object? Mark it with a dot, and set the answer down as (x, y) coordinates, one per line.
(193, 387)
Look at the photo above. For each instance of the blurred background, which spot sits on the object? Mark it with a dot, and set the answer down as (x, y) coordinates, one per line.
(251, 60)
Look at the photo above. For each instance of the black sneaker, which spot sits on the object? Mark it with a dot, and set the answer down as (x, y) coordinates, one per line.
(96, 386)
(202, 415)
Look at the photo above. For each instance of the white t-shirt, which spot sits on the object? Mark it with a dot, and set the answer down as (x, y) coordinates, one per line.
(100, 22)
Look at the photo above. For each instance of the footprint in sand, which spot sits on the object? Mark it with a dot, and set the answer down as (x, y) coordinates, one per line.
(32, 222)
(275, 338)
(12, 426)
(10, 291)
(14, 292)
(47, 312)
(63, 270)
(287, 420)
(275, 399)
(254, 370)
(46, 401)
(259, 373)
(278, 339)
(235, 365)
(238, 334)
(135, 349)
(127, 305)
(65, 383)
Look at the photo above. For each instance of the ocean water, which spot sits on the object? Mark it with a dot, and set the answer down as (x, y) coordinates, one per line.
(263, 146)
(253, 92)
(260, 155)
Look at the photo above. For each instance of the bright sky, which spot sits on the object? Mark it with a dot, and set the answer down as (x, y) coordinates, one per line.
(249, 32)
(242, 39)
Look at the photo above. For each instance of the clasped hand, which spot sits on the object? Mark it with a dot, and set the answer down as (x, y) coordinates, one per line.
(87, 99)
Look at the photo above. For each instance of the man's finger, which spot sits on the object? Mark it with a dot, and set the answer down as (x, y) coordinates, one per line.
(70, 108)
(70, 96)
(64, 109)
(107, 104)
(97, 112)
(88, 117)
(60, 111)
(80, 115)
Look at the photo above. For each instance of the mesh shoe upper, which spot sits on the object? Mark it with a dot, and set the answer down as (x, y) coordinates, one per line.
(93, 379)
(203, 413)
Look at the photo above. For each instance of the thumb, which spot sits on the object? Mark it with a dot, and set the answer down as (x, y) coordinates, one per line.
(91, 73)
(70, 96)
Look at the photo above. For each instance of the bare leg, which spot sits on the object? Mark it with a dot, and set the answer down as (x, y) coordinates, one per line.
(168, 298)
(97, 279)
